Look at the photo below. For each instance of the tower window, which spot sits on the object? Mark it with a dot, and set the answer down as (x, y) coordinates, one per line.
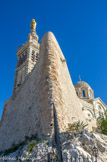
(26, 52)
(77, 93)
(22, 58)
(37, 56)
(33, 56)
(83, 93)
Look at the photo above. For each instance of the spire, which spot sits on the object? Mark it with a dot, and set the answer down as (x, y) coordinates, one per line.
(79, 77)
(33, 25)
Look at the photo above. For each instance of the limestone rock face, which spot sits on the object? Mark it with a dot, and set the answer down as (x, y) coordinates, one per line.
(30, 110)
(80, 145)
(76, 146)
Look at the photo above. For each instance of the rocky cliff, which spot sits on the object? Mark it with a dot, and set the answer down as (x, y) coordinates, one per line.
(77, 146)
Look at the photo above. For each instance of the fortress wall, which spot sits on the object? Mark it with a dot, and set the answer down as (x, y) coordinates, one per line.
(30, 110)
(68, 106)
(23, 111)
(46, 87)
(50, 79)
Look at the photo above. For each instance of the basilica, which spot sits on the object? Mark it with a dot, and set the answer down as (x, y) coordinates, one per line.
(27, 57)
(92, 107)
(43, 92)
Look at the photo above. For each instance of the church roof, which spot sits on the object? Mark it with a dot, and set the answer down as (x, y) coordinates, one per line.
(82, 84)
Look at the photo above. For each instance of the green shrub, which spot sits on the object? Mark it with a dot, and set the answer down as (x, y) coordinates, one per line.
(31, 147)
(102, 124)
(83, 143)
(63, 60)
(76, 126)
(32, 137)
(14, 148)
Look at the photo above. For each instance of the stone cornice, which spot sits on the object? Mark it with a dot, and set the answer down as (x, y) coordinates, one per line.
(28, 60)
(22, 48)
(25, 46)
(99, 99)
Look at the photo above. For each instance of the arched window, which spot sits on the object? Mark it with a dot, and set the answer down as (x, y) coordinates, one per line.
(101, 115)
(33, 56)
(37, 56)
(83, 93)
(77, 93)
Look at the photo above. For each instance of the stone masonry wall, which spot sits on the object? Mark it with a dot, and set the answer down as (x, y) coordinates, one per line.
(22, 112)
(58, 88)
(30, 110)
(67, 104)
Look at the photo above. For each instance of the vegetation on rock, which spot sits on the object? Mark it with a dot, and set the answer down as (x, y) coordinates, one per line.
(31, 147)
(102, 124)
(12, 149)
(15, 147)
(77, 126)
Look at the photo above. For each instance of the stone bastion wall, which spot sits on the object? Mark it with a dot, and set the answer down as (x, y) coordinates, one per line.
(30, 110)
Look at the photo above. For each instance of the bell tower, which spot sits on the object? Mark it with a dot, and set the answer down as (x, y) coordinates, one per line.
(27, 56)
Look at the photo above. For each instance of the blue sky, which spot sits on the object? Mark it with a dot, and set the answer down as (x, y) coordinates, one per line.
(80, 26)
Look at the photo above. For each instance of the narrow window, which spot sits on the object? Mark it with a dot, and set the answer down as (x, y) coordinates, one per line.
(77, 93)
(25, 56)
(33, 56)
(37, 56)
(19, 61)
(83, 93)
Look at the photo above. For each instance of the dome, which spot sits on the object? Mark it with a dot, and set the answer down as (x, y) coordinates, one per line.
(84, 91)
(82, 84)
